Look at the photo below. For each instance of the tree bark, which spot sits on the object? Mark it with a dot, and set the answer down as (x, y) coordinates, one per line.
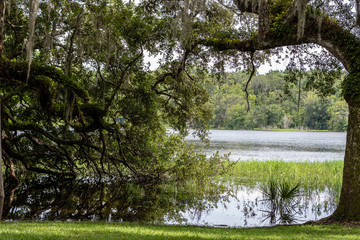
(349, 205)
(2, 16)
(2, 192)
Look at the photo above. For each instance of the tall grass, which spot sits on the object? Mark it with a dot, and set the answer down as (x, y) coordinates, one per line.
(311, 175)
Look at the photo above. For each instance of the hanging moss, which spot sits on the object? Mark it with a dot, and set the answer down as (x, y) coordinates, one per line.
(33, 9)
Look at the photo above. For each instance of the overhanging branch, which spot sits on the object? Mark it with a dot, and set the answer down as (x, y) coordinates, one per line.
(248, 81)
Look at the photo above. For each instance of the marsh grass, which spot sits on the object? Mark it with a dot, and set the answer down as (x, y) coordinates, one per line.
(312, 176)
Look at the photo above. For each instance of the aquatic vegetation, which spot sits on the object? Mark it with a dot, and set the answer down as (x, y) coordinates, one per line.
(291, 190)
(318, 176)
(282, 201)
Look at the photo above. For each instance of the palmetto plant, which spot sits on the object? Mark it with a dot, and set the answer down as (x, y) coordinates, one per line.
(282, 200)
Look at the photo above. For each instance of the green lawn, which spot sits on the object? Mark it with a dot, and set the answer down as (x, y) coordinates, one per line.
(102, 231)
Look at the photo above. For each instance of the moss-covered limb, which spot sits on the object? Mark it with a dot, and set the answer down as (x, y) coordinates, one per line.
(351, 88)
(87, 117)
(38, 129)
(319, 29)
(220, 44)
(40, 76)
(283, 31)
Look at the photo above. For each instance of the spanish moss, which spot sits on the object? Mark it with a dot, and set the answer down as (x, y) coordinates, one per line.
(33, 9)
(301, 12)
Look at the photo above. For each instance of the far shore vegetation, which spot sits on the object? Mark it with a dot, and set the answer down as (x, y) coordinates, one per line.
(279, 129)
(279, 101)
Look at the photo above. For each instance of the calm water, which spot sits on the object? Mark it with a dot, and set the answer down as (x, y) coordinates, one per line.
(245, 207)
(275, 145)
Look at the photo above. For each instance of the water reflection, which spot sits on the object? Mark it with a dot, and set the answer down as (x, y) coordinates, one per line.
(49, 198)
(247, 208)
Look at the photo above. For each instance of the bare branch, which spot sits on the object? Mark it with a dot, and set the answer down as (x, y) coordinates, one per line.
(248, 81)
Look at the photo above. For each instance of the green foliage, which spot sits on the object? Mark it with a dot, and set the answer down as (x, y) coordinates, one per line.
(279, 6)
(315, 115)
(280, 29)
(338, 110)
(274, 103)
(91, 108)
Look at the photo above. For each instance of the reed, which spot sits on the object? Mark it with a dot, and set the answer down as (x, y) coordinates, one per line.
(311, 175)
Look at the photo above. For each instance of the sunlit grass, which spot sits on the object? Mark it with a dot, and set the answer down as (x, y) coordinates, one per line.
(102, 231)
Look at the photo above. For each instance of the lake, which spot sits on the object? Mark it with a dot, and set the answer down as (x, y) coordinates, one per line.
(275, 145)
(246, 208)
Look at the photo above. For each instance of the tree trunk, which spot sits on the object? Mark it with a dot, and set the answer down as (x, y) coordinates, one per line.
(2, 192)
(349, 205)
(2, 16)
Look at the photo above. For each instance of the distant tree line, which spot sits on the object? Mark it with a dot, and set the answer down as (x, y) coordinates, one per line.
(278, 100)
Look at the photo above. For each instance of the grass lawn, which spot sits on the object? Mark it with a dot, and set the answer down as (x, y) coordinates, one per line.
(102, 231)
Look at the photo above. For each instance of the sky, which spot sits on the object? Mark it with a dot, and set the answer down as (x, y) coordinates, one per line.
(267, 67)
(263, 69)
